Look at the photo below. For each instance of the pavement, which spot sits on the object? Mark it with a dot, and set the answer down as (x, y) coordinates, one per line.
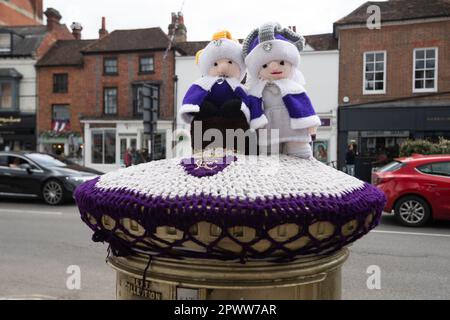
(39, 243)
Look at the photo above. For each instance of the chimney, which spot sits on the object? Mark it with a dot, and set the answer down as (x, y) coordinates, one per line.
(181, 30)
(172, 24)
(103, 32)
(53, 18)
(76, 30)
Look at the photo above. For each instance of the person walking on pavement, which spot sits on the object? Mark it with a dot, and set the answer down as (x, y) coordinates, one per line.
(127, 158)
(350, 158)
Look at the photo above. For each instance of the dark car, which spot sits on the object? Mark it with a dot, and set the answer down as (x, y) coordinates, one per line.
(39, 175)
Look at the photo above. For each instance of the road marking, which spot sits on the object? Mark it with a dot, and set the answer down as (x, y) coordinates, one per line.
(52, 213)
(413, 233)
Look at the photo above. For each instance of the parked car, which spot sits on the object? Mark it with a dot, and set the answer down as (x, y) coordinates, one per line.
(39, 175)
(417, 188)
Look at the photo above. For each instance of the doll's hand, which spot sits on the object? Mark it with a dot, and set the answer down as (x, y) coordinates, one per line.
(231, 108)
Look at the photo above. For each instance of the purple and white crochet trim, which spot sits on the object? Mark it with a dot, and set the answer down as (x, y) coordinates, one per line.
(256, 192)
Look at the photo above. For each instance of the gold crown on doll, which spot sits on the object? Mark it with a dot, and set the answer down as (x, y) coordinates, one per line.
(217, 37)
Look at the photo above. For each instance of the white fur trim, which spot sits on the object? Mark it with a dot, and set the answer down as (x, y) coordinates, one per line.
(207, 82)
(287, 86)
(281, 50)
(185, 111)
(259, 123)
(228, 49)
(246, 111)
(303, 123)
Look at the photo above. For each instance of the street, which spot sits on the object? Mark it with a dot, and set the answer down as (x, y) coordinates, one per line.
(38, 243)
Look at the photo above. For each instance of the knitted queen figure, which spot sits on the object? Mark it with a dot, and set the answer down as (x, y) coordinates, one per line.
(277, 98)
(217, 99)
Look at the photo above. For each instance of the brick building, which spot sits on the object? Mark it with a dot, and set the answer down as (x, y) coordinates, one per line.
(20, 49)
(21, 12)
(395, 81)
(88, 95)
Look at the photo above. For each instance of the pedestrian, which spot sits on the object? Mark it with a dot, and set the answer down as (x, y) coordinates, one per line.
(127, 158)
(350, 158)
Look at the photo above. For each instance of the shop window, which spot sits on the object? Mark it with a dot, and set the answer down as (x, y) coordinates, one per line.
(60, 83)
(374, 72)
(110, 66)
(104, 146)
(146, 64)
(5, 43)
(110, 100)
(7, 95)
(425, 70)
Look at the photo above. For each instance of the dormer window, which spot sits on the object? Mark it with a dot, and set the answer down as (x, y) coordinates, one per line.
(5, 43)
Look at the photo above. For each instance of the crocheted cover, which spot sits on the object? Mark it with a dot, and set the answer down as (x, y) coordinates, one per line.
(230, 207)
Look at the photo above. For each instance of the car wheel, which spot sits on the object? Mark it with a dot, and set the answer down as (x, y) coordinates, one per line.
(53, 193)
(412, 211)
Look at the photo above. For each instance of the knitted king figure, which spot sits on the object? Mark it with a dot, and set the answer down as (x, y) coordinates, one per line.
(277, 98)
(217, 100)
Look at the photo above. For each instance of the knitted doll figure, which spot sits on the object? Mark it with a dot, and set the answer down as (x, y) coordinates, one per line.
(219, 92)
(277, 98)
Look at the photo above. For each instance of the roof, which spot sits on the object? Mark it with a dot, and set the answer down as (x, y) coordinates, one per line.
(190, 48)
(322, 42)
(399, 10)
(131, 40)
(65, 53)
(26, 39)
(10, 73)
(425, 158)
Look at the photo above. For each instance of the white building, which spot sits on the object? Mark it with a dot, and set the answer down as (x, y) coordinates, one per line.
(320, 67)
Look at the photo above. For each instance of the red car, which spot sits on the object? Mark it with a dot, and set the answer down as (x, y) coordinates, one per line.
(417, 188)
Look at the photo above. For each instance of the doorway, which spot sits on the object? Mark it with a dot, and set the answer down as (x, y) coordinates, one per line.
(126, 143)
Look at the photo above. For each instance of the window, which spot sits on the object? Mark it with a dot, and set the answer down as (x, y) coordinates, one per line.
(375, 72)
(61, 112)
(6, 95)
(5, 43)
(425, 70)
(60, 83)
(110, 100)
(61, 118)
(146, 65)
(104, 146)
(438, 169)
(138, 105)
(110, 66)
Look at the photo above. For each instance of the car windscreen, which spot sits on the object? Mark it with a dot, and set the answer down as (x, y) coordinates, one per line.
(391, 167)
(46, 160)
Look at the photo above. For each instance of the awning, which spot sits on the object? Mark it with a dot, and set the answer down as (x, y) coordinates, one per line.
(10, 73)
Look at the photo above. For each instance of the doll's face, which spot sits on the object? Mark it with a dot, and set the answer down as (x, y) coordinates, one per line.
(276, 70)
(226, 68)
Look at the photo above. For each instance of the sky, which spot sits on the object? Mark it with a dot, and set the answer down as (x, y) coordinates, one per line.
(204, 17)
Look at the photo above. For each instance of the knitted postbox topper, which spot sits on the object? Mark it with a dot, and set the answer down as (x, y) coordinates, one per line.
(229, 207)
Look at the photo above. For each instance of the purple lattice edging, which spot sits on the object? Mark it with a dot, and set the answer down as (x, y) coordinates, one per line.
(184, 212)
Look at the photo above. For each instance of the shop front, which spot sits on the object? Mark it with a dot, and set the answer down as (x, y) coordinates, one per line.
(106, 143)
(17, 131)
(379, 130)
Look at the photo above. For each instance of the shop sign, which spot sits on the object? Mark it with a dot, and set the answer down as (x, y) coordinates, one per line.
(384, 134)
(7, 121)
